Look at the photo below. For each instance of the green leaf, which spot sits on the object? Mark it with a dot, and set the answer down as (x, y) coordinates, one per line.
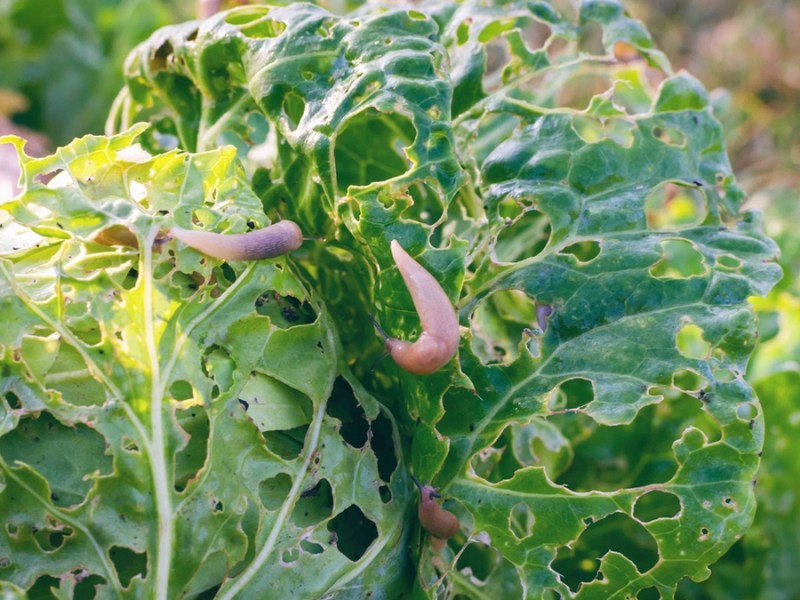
(139, 377)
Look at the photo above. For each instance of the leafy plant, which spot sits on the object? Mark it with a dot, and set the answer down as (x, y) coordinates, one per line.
(177, 425)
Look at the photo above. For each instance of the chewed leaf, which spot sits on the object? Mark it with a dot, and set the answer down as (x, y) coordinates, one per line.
(147, 379)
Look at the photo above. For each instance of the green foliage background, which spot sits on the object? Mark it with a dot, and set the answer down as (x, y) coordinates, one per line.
(761, 563)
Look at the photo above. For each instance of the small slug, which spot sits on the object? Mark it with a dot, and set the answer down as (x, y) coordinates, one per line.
(543, 314)
(274, 240)
(440, 523)
(440, 335)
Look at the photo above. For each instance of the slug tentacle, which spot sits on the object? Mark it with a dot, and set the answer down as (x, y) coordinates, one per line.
(440, 523)
(274, 240)
(440, 334)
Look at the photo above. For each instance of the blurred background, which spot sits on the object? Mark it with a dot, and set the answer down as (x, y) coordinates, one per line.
(747, 53)
(61, 68)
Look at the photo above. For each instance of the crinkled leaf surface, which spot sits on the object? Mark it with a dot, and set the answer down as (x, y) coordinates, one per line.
(164, 415)
(594, 436)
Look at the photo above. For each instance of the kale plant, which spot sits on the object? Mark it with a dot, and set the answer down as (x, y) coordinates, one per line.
(174, 425)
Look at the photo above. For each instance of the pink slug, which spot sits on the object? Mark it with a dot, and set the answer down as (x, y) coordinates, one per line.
(271, 241)
(440, 523)
(440, 334)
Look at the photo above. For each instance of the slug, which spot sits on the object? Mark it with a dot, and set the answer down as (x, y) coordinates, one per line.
(274, 240)
(543, 314)
(440, 335)
(440, 523)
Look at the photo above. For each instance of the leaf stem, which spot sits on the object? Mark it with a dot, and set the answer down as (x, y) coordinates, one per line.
(157, 457)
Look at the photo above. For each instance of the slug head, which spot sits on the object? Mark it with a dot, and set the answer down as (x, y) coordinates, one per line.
(423, 357)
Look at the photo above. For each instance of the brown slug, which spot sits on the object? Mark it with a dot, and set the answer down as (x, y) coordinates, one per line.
(440, 334)
(440, 523)
(271, 241)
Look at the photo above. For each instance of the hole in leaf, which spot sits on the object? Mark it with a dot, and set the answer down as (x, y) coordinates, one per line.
(253, 22)
(672, 205)
(128, 564)
(726, 261)
(187, 284)
(617, 532)
(656, 505)
(637, 454)
(57, 538)
(479, 558)
(746, 411)
(510, 209)
(273, 491)
(383, 158)
(354, 532)
(130, 279)
(284, 311)
(524, 237)
(227, 272)
(690, 342)
(583, 251)
(87, 585)
(13, 401)
(48, 447)
(500, 323)
(287, 444)
(311, 547)
(679, 260)
(42, 588)
(290, 556)
(589, 129)
(650, 593)
(462, 33)
(343, 406)
(571, 394)
(161, 57)
(192, 457)
(129, 444)
(52, 536)
(293, 107)
(521, 521)
(688, 380)
(537, 443)
(591, 38)
(181, 390)
(723, 375)
(218, 365)
(382, 444)
(385, 494)
(314, 505)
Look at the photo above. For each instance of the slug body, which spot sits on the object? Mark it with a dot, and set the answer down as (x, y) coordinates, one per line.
(440, 523)
(274, 240)
(440, 335)
(543, 314)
